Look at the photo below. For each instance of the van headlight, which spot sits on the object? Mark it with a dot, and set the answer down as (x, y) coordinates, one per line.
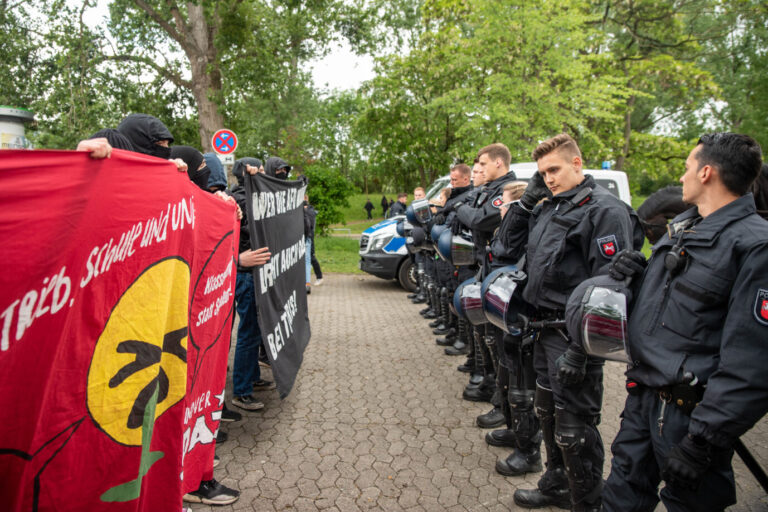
(378, 243)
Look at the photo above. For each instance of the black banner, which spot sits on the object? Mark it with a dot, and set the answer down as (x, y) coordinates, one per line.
(276, 220)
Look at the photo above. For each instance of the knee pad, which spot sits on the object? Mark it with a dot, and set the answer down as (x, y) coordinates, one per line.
(521, 399)
(570, 431)
(544, 404)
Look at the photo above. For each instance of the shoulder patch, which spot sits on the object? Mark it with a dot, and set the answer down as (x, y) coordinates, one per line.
(497, 202)
(608, 246)
(761, 306)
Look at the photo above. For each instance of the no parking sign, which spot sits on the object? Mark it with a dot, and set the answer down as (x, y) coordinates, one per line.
(224, 142)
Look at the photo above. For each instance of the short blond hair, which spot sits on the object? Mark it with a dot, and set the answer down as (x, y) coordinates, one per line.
(517, 188)
(562, 143)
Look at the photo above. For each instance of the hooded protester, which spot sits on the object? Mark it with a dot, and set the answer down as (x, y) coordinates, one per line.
(277, 168)
(147, 134)
(218, 178)
(115, 139)
(246, 373)
(197, 169)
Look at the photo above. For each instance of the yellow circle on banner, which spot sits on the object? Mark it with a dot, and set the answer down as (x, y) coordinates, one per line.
(143, 346)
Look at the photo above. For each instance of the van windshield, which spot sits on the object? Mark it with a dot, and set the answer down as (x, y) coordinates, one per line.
(434, 189)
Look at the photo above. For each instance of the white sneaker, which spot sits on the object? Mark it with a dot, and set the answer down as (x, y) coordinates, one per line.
(318, 282)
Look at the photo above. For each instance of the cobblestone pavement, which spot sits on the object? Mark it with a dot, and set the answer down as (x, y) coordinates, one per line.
(376, 420)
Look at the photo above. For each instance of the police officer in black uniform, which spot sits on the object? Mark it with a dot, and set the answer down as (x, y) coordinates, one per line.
(697, 338)
(482, 218)
(460, 189)
(568, 238)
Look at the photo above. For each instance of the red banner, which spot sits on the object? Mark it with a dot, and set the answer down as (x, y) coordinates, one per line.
(115, 318)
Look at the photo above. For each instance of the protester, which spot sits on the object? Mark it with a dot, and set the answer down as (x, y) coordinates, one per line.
(368, 208)
(696, 335)
(310, 222)
(246, 370)
(384, 206)
(217, 181)
(210, 491)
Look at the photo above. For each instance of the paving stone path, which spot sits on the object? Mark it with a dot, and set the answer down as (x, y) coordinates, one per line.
(376, 421)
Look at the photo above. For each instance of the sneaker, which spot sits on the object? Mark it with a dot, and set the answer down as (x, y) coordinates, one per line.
(212, 492)
(263, 385)
(309, 290)
(216, 460)
(247, 402)
(318, 282)
(229, 415)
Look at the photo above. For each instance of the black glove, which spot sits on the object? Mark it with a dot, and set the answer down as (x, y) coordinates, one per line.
(439, 219)
(571, 366)
(627, 263)
(686, 463)
(534, 192)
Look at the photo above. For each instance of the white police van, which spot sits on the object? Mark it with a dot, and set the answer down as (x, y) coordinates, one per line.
(382, 250)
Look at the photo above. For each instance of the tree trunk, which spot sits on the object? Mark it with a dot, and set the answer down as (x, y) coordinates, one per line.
(206, 75)
(627, 134)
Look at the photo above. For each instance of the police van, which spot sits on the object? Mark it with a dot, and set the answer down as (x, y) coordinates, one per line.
(382, 250)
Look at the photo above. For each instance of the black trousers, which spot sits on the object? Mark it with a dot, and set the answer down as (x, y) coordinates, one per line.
(639, 452)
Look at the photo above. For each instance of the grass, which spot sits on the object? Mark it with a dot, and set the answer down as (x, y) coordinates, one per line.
(338, 254)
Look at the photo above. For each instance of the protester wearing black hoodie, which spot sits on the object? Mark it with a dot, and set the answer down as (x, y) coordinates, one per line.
(277, 168)
(246, 369)
(197, 169)
(147, 134)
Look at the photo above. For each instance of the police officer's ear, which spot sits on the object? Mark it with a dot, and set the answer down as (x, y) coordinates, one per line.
(706, 174)
(577, 163)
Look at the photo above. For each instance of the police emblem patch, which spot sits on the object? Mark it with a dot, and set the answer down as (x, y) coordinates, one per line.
(497, 202)
(761, 306)
(608, 246)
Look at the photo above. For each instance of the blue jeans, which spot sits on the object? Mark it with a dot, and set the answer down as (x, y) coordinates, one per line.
(246, 369)
(308, 259)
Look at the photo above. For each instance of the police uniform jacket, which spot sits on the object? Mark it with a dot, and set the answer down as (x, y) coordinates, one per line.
(483, 217)
(571, 237)
(710, 318)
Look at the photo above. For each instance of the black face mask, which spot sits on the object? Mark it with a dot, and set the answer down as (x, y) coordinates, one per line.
(161, 152)
(200, 178)
(281, 174)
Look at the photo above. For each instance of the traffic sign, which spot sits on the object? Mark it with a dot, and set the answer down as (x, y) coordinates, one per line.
(224, 142)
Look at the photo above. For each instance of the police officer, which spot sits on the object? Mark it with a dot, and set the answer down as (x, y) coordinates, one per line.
(482, 218)
(569, 237)
(460, 189)
(697, 340)
(418, 297)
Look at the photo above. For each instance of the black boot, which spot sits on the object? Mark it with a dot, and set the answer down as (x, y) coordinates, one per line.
(459, 348)
(466, 366)
(519, 463)
(492, 419)
(552, 491)
(483, 392)
(447, 341)
(501, 437)
(475, 379)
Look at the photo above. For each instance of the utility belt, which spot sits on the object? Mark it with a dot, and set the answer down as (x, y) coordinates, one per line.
(683, 396)
(546, 318)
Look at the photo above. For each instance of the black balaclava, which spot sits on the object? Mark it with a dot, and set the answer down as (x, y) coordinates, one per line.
(273, 164)
(238, 171)
(193, 158)
(144, 131)
(115, 139)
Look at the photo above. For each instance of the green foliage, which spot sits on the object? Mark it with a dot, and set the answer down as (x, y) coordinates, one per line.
(338, 254)
(328, 192)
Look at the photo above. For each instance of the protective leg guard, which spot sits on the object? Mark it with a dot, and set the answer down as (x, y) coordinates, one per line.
(527, 455)
(575, 437)
(544, 407)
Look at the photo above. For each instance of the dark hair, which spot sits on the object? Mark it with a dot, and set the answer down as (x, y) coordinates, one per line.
(562, 142)
(494, 151)
(736, 157)
(402, 194)
(760, 190)
(462, 169)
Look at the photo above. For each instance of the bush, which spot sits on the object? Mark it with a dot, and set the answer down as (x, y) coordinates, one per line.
(328, 192)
